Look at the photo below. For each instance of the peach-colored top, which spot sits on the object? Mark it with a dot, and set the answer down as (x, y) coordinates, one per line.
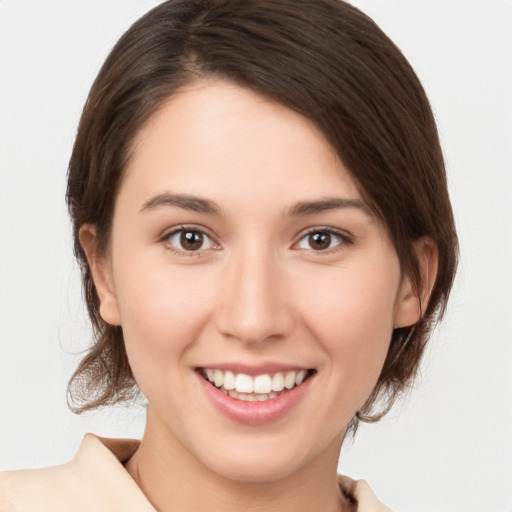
(96, 480)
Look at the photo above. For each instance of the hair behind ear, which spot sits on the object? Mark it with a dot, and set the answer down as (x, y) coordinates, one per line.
(412, 327)
(104, 376)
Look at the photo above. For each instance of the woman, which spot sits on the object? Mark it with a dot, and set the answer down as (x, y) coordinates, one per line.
(266, 239)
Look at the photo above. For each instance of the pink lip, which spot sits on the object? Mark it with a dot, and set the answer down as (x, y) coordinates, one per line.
(254, 413)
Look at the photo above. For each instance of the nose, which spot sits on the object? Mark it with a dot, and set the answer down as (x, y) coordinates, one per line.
(253, 304)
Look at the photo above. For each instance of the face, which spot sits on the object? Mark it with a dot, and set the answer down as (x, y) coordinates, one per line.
(256, 292)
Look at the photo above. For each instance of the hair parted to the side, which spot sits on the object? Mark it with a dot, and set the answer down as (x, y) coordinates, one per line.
(324, 59)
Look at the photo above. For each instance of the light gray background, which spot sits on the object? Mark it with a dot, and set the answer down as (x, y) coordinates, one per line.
(447, 448)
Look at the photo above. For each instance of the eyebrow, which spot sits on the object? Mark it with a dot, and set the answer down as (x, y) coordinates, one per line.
(301, 209)
(324, 205)
(191, 203)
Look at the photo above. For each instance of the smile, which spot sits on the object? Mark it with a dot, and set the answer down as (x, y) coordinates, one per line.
(258, 388)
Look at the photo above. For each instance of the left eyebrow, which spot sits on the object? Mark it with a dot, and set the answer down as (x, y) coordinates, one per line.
(324, 205)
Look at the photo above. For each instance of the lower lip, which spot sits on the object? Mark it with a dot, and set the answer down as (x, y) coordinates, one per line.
(255, 413)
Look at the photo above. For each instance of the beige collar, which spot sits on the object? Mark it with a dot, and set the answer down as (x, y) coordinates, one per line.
(96, 480)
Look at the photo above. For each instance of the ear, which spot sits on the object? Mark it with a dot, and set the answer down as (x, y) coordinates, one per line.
(102, 275)
(412, 302)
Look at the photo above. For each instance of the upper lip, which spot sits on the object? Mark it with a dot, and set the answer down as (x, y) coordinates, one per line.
(255, 369)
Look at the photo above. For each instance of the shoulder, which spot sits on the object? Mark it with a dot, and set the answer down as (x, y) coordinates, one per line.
(360, 495)
(94, 480)
(25, 490)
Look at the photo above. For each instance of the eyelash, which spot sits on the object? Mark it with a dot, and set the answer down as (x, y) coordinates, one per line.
(166, 238)
(344, 240)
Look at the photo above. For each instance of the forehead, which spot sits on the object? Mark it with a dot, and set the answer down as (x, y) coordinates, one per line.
(215, 137)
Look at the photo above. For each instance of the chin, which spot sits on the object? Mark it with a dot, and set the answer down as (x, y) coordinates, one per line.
(263, 459)
(255, 470)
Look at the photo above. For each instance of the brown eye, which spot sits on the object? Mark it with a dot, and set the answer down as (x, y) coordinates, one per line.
(319, 241)
(189, 240)
(322, 240)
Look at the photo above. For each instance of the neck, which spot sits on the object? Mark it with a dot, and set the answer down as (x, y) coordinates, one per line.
(174, 480)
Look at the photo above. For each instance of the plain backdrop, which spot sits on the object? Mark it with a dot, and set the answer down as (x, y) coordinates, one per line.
(446, 448)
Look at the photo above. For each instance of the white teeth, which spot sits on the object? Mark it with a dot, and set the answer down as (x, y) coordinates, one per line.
(278, 382)
(218, 378)
(244, 383)
(263, 384)
(289, 380)
(229, 380)
(300, 377)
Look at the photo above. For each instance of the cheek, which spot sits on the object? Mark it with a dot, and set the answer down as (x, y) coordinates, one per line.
(352, 305)
(162, 312)
(352, 317)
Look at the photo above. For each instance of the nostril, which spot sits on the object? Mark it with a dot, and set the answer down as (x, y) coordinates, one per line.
(252, 308)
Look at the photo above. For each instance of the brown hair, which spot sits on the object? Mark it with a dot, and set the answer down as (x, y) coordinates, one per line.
(324, 59)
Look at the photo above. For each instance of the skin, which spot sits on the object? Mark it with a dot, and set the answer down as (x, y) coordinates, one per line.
(257, 291)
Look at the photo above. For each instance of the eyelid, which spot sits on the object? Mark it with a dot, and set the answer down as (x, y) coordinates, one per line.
(347, 238)
(168, 233)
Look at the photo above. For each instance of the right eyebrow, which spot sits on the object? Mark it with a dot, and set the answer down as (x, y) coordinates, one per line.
(185, 201)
